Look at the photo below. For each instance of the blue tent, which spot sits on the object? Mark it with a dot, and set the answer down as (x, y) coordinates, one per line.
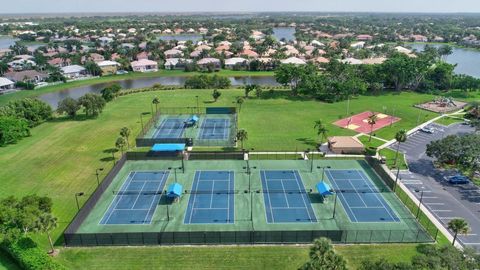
(174, 190)
(324, 189)
(168, 147)
(192, 120)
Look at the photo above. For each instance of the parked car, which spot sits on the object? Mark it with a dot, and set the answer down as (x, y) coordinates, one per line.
(428, 130)
(458, 179)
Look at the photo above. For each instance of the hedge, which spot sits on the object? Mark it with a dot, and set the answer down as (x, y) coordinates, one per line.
(29, 256)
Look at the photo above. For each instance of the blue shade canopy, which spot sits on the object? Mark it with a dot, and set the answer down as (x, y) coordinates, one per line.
(324, 189)
(168, 147)
(174, 190)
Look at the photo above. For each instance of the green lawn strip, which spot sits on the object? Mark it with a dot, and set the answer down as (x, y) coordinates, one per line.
(447, 120)
(112, 78)
(61, 156)
(212, 257)
(230, 257)
(389, 155)
(6, 262)
(374, 142)
(355, 254)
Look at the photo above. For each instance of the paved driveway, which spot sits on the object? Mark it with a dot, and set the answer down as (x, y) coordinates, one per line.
(445, 201)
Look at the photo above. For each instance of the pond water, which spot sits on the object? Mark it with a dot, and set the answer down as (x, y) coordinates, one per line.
(287, 33)
(467, 60)
(54, 97)
(6, 42)
(185, 37)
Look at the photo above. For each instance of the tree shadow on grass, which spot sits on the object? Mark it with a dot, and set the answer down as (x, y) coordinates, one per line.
(66, 118)
(111, 152)
(307, 141)
(208, 101)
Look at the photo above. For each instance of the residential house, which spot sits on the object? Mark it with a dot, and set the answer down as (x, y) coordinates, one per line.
(351, 61)
(142, 55)
(73, 71)
(59, 62)
(364, 38)
(108, 67)
(6, 84)
(236, 63)
(294, 61)
(209, 63)
(419, 38)
(357, 45)
(374, 61)
(173, 53)
(30, 76)
(21, 64)
(95, 57)
(144, 65)
(176, 63)
(4, 52)
(249, 53)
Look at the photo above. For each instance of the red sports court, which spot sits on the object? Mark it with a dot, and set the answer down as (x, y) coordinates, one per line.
(359, 122)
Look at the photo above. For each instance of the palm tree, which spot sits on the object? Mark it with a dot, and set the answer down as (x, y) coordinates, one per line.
(125, 133)
(400, 137)
(120, 143)
(45, 223)
(240, 101)
(321, 130)
(372, 120)
(242, 136)
(458, 225)
(156, 101)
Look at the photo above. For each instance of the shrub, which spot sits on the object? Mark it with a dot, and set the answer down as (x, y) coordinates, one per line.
(33, 110)
(12, 129)
(29, 256)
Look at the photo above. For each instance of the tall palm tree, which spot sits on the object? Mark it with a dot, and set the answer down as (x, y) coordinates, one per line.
(400, 137)
(321, 130)
(372, 120)
(125, 133)
(242, 136)
(240, 101)
(156, 101)
(120, 143)
(458, 225)
(45, 223)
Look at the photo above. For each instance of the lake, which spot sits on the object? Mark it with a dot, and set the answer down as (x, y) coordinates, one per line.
(54, 97)
(467, 60)
(6, 42)
(287, 33)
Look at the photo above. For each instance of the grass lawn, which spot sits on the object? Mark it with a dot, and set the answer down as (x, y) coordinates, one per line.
(231, 257)
(133, 75)
(61, 156)
(374, 142)
(389, 155)
(446, 121)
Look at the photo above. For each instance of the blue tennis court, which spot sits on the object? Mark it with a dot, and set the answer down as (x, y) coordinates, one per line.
(285, 197)
(361, 199)
(215, 129)
(137, 199)
(212, 198)
(170, 128)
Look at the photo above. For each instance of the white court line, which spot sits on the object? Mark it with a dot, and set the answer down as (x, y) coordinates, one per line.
(198, 173)
(285, 194)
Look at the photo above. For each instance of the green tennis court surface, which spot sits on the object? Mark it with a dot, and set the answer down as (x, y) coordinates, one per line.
(276, 202)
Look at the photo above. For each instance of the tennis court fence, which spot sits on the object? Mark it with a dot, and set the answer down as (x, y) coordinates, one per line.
(246, 237)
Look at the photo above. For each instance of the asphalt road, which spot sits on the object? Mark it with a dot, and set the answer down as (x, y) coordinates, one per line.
(444, 200)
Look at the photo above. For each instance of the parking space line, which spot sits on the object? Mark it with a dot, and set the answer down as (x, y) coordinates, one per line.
(435, 203)
(441, 210)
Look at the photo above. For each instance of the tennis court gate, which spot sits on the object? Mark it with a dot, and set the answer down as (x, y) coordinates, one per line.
(245, 237)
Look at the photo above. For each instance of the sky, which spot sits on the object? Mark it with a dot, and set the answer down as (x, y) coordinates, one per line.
(80, 6)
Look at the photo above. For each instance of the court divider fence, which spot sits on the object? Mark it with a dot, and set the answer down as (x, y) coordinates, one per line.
(73, 238)
(246, 237)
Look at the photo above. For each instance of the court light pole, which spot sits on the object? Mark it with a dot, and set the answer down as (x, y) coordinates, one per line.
(323, 171)
(78, 194)
(198, 107)
(97, 174)
(419, 205)
(335, 205)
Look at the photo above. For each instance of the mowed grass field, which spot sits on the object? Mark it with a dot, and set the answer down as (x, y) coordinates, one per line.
(61, 156)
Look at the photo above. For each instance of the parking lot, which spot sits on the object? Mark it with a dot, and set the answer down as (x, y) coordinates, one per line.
(444, 200)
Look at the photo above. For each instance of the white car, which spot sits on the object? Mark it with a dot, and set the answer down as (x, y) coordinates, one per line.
(428, 130)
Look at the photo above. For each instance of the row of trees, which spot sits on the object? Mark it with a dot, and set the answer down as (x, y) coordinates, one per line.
(462, 151)
(207, 82)
(338, 81)
(17, 117)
